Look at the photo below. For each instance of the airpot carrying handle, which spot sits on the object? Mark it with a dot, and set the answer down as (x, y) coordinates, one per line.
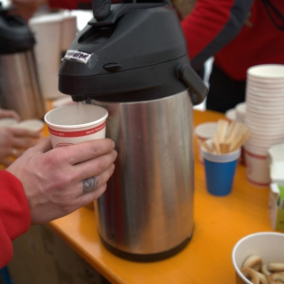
(194, 82)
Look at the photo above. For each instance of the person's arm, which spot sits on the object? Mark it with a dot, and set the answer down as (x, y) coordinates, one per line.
(45, 184)
(15, 215)
(211, 25)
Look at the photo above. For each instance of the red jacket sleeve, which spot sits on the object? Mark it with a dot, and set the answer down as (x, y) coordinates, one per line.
(15, 216)
(211, 25)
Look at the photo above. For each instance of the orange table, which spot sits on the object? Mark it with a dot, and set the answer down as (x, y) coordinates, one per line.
(219, 223)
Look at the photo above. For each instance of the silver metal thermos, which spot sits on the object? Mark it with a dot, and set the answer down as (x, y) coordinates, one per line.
(133, 61)
(19, 83)
(148, 206)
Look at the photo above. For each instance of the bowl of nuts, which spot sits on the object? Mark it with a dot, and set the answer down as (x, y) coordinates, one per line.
(259, 258)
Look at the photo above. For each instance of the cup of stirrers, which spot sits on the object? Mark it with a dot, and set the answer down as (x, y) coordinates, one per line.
(228, 138)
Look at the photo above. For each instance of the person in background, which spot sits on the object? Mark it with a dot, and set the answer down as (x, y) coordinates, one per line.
(13, 141)
(238, 34)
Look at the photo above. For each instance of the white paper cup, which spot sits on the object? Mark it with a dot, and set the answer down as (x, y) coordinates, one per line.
(73, 124)
(257, 168)
(268, 245)
(31, 124)
(8, 122)
(203, 132)
(256, 149)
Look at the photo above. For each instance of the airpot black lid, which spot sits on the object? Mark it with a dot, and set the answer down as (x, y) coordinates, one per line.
(137, 52)
(15, 34)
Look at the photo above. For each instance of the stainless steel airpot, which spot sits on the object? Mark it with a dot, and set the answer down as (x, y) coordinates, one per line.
(132, 59)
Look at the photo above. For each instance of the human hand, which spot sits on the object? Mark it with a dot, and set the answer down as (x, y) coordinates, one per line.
(8, 113)
(14, 141)
(61, 180)
(26, 8)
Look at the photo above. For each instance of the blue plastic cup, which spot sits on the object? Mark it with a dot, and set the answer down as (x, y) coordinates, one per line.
(220, 171)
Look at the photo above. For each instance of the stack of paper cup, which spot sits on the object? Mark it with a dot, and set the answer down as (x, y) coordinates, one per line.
(265, 118)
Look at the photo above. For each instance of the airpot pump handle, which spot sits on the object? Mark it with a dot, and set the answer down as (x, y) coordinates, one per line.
(101, 9)
(194, 82)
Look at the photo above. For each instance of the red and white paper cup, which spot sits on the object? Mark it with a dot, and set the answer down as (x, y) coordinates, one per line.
(73, 124)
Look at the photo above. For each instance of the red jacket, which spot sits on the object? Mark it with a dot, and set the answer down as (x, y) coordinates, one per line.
(239, 32)
(15, 216)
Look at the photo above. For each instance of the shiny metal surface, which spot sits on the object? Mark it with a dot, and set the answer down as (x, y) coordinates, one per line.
(19, 85)
(148, 205)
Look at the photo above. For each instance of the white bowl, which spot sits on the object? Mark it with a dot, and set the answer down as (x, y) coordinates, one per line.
(268, 245)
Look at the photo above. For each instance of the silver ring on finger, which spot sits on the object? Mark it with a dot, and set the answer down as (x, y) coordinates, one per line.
(90, 184)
